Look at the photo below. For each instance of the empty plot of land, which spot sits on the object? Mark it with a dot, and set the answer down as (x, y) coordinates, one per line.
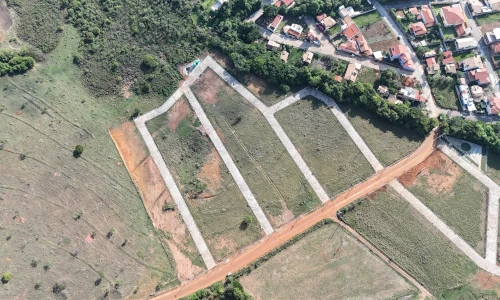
(488, 22)
(493, 166)
(214, 199)
(324, 144)
(453, 194)
(375, 30)
(326, 264)
(388, 142)
(274, 179)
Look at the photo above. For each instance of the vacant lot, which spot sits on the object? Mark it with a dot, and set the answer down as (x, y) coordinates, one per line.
(453, 194)
(367, 19)
(388, 142)
(324, 144)
(71, 220)
(271, 174)
(375, 30)
(5, 20)
(214, 199)
(326, 264)
(488, 22)
(443, 89)
(399, 231)
(368, 75)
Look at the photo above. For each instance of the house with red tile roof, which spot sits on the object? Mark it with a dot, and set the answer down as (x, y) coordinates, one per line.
(461, 30)
(411, 94)
(479, 76)
(350, 46)
(275, 23)
(363, 46)
(321, 17)
(432, 66)
(495, 48)
(399, 52)
(448, 58)
(414, 11)
(493, 107)
(286, 3)
(418, 29)
(452, 15)
(427, 16)
(351, 31)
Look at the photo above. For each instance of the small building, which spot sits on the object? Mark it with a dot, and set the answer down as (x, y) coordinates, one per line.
(432, 66)
(363, 45)
(351, 73)
(408, 81)
(479, 76)
(471, 63)
(378, 55)
(275, 23)
(465, 98)
(321, 17)
(495, 48)
(448, 58)
(476, 92)
(411, 94)
(493, 107)
(430, 53)
(328, 22)
(272, 45)
(312, 38)
(465, 43)
(427, 16)
(217, 5)
(383, 91)
(350, 46)
(450, 68)
(492, 36)
(284, 55)
(418, 29)
(347, 11)
(307, 57)
(399, 52)
(493, 4)
(337, 78)
(351, 31)
(294, 30)
(286, 3)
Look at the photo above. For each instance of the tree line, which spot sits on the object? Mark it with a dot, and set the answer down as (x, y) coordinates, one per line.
(12, 63)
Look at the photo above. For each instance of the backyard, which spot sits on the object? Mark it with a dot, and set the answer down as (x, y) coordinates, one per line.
(453, 194)
(448, 32)
(327, 263)
(273, 177)
(326, 147)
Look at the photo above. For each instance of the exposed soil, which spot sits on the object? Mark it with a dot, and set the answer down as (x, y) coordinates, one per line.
(126, 90)
(440, 171)
(228, 245)
(486, 281)
(489, 27)
(379, 37)
(373, 195)
(210, 172)
(212, 84)
(286, 217)
(5, 20)
(177, 113)
(154, 194)
(257, 85)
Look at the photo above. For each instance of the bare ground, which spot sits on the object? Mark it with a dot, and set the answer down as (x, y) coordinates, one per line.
(5, 20)
(379, 36)
(489, 27)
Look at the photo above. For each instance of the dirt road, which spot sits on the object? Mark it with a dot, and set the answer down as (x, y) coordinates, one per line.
(287, 232)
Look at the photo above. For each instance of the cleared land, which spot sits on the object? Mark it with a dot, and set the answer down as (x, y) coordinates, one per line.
(214, 199)
(324, 144)
(453, 194)
(325, 264)
(488, 22)
(368, 75)
(377, 33)
(388, 142)
(53, 203)
(275, 180)
(399, 231)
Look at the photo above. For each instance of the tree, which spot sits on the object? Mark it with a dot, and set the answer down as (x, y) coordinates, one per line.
(57, 288)
(150, 61)
(246, 221)
(78, 151)
(270, 10)
(6, 277)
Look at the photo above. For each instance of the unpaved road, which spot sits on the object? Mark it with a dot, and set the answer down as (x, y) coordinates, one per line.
(287, 232)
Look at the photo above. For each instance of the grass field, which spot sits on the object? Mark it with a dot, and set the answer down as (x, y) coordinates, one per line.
(324, 144)
(295, 56)
(271, 174)
(399, 231)
(488, 18)
(54, 202)
(494, 166)
(453, 194)
(326, 264)
(214, 199)
(443, 89)
(458, 57)
(367, 19)
(388, 142)
(368, 75)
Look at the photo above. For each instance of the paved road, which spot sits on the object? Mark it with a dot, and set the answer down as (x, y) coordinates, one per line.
(290, 230)
(233, 169)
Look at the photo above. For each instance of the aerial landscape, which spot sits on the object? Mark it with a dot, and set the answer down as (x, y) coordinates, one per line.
(249, 149)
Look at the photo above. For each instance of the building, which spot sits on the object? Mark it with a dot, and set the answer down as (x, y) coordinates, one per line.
(311, 38)
(432, 66)
(363, 45)
(450, 68)
(396, 51)
(295, 30)
(352, 71)
(321, 17)
(465, 98)
(495, 48)
(477, 92)
(465, 43)
(272, 45)
(479, 76)
(351, 31)
(430, 53)
(448, 58)
(471, 63)
(383, 91)
(426, 16)
(411, 94)
(378, 55)
(284, 55)
(337, 78)
(307, 57)
(347, 11)
(493, 4)
(217, 5)
(286, 3)
(462, 30)
(350, 46)
(414, 11)
(275, 23)
(328, 22)
(476, 6)
(418, 29)
(491, 37)
(493, 107)
(452, 15)
(399, 52)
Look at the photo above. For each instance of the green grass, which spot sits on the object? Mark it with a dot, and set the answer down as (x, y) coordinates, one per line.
(388, 142)
(324, 144)
(218, 209)
(488, 18)
(494, 166)
(443, 89)
(295, 56)
(367, 19)
(325, 262)
(60, 186)
(460, 203)
(368, 75)
(458, 57)
(263, 161)
(334, 30)
(399, 231)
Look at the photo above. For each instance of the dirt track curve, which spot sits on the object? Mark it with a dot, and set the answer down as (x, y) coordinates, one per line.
(287, 232)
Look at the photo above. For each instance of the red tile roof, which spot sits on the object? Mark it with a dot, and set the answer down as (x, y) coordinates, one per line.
(418, 28)
(430, 61)
(288, 2)
(363, 45)
(398, 49)
(351, 31)
(447, 57)
(495, 105)
(453, 15)
(479, 75)
(408, 62)
(427, 16)
(349, 46)
(413, 10)
(338, 78)
(321, 17)
(495, 47)
(460, 29)
(276, 21)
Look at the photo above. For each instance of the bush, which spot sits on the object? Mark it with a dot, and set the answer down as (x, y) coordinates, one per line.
(78, 151)
(15, 63)
(150, 61)
(57, 288)
(6, 277)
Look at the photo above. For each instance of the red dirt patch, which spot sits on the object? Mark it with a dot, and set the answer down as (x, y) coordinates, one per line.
(5, 20)
(486, 281)
(373, 195)
(126, 90)
(440, 171)
(210, 172)
(209, 85)
(154, 194)
(177, 113)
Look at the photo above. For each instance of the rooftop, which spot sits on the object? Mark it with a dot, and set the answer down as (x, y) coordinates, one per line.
(398, 49)
(427, 16)
(351, 31)
(452, 15)
(447, 57)
(418, 28)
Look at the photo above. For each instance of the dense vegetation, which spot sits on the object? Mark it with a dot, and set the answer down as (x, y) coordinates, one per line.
(230, 290)
(15, 63)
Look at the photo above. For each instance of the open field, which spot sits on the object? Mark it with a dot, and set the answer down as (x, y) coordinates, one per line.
(367, 19)
(5, 20)
(214, 199)
(443, 89)
(270, 172)
(326, 147)
(488, 20)
(368, 75)
(53, 203)
(399, 231)
(388, 142)
(377, 33)
(327, 263)
(453, 194)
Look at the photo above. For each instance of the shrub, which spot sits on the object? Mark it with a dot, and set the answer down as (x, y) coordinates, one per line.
(6, 277)
(110, 233)
(150, 61)
(58, 288)
(246, 221)
(15, 63)
(168, 206)
(37, 285)
(78, 151)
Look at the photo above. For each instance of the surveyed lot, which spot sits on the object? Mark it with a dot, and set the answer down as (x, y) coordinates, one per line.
(453, 194)
(263, 161)
(327, 263)
(389, 143)
(211, 193)
(399, 231)
(375, 30)
(76, 219)
(324, 144)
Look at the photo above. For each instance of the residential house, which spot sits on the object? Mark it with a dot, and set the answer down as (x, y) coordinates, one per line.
(363, 45)
(399, 52)
(272, 45)
(411, 94)
(396, 51)
(418, 29)
(217, 5)
(479, 76)
(307, 57)
(491, 37)
(448, 58)
(312, 38)
(450, 68)
(408, 81)
(478, 7)
(471, 63)
(284, 55)
(493, 107)
(351, 31)
(383, 91)
(321, 17)
(347, 11)
(430, 53)
(350, 46)
(414, 11)
(352, 71)
(295, 30)
(286, 3)
(465, 98)
(432, 66)
(476, 92)
(328, 22)
(493, 4)
(453, 16)
(495, 48)
(426, 16)
(465, 43)
(275, 23)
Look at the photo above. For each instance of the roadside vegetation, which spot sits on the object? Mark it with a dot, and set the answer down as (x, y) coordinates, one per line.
(487, 19)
